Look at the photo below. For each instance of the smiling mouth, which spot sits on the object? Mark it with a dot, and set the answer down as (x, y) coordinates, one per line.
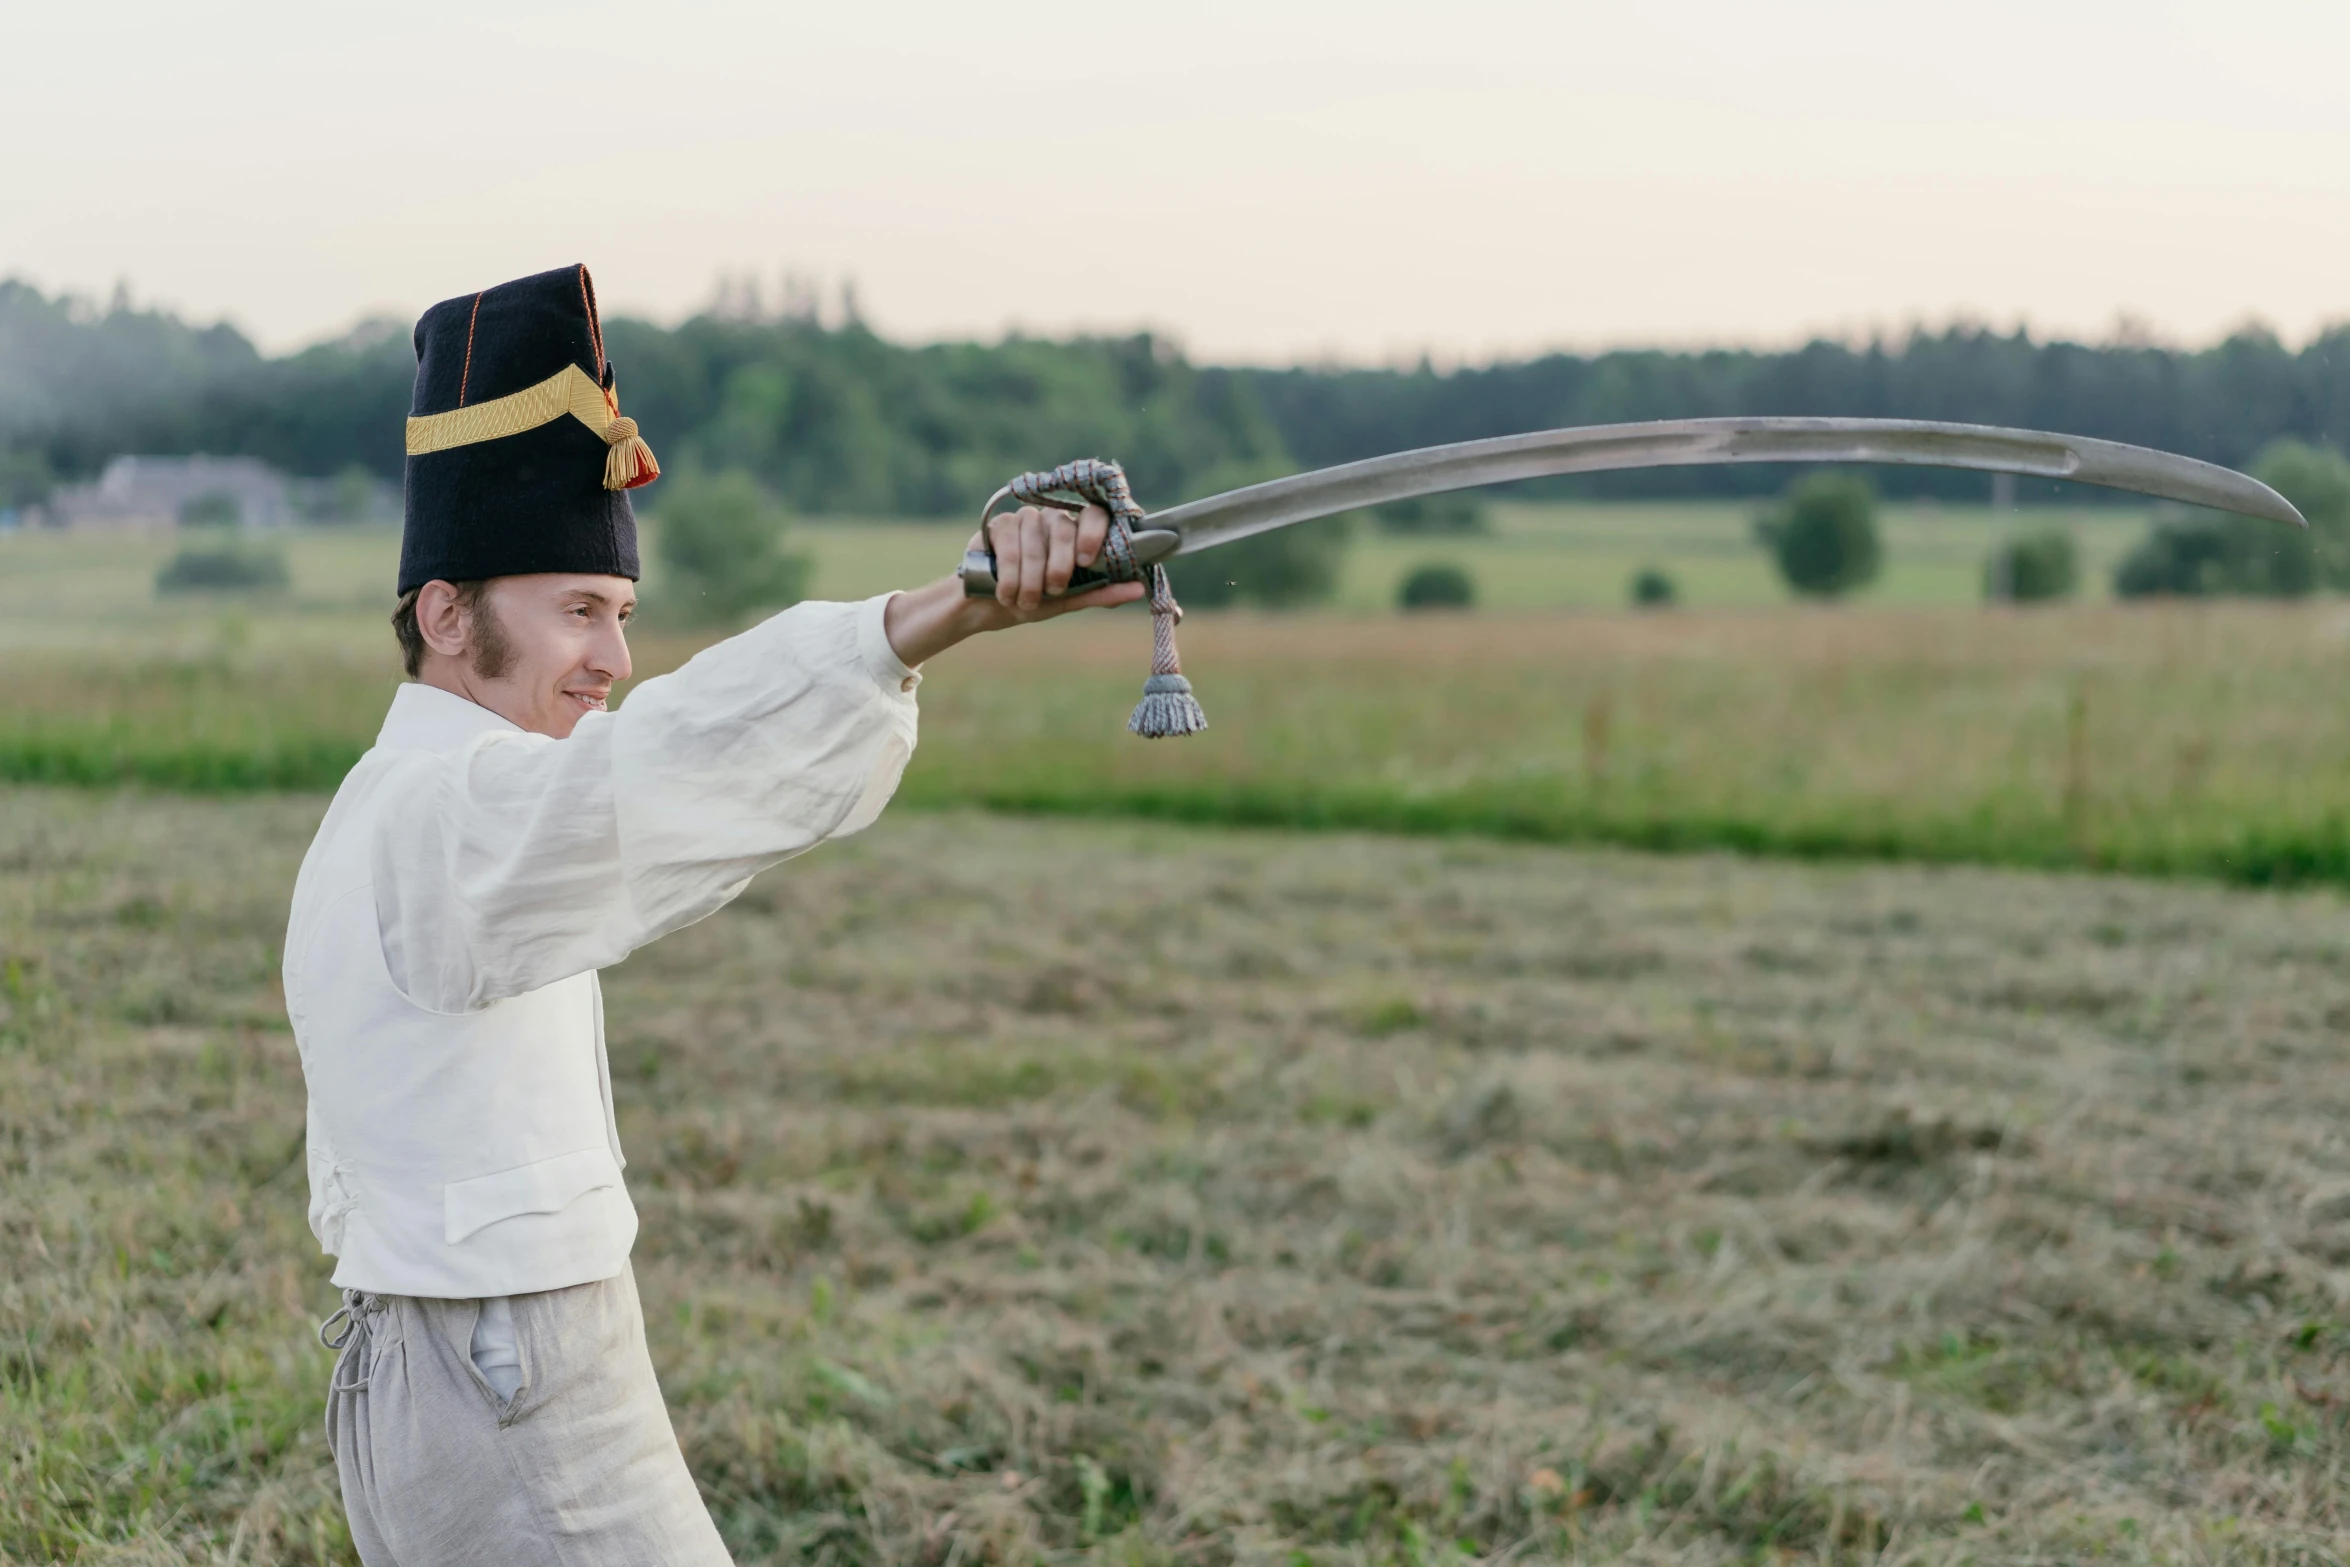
(592, 701)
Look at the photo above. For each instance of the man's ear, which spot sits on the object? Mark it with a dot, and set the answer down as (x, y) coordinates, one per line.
(441, 620)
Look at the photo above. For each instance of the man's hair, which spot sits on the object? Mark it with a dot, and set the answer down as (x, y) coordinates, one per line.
(491, 651)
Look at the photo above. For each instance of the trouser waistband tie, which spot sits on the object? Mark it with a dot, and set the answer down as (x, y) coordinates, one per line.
(355, 1347)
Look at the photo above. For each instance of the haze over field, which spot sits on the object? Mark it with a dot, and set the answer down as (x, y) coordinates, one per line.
(1498, 176)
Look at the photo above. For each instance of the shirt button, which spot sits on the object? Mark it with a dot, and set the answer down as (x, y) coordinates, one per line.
(909, 683)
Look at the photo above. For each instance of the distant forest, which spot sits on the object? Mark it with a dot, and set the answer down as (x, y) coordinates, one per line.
(839, 421)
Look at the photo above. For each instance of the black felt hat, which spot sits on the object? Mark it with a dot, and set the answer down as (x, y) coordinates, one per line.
(518, 457)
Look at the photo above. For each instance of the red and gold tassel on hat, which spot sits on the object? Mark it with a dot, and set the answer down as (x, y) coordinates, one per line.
(630, 463)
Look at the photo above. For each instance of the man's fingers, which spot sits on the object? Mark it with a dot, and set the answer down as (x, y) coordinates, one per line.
(1093, 525)
(1004, 531)
(1033, 556)
(1061, 551)
(1096, 598)
(1036, 550)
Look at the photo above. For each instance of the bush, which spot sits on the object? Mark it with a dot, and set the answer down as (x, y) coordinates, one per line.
(2209, 554)
(1437, 585)
(1824, 535)
(353, 495)
(1283, 569)
(2216, 553)
(2317, 480)
(212, 509)
(1458, 512)
(234, 569)
(721, 544)
(25, 478)
(1652, 589)
(2034, 566)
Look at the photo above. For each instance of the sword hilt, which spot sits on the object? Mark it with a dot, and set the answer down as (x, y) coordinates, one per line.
(1150, 545)
(1130, 553)
(1127, 549)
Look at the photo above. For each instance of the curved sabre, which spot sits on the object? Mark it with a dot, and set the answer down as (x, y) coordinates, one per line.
(1672, 443)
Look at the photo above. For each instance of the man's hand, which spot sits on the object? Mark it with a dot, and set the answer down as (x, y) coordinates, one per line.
(1036, 548)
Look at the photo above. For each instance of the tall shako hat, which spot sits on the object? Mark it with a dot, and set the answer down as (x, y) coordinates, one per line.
(518, 457)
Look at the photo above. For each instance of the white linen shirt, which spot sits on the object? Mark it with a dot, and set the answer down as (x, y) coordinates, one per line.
(467, 882)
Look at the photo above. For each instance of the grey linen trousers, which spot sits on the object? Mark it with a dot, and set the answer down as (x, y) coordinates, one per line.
(580, 1469)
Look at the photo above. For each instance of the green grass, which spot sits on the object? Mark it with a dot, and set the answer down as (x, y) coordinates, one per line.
(1584, 557)
(96, 590)
(2172, 740)
(1161, 1193)
(2205, 740)
(225, 717)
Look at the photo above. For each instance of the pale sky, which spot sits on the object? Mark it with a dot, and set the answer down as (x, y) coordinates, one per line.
(1266, 180)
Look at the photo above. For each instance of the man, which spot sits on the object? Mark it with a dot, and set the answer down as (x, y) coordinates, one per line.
(508, 836)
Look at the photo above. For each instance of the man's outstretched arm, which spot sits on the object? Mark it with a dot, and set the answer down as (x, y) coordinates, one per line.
(1035, 549)
(523, 860)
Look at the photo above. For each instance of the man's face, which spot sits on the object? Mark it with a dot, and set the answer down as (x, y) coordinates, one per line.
(546, 648)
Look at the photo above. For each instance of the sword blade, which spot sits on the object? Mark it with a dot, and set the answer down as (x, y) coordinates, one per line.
(1672, 443)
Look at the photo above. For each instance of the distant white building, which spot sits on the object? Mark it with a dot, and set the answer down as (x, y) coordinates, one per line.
(163, 492)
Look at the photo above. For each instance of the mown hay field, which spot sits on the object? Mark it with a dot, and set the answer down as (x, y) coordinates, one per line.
(1025, 1191)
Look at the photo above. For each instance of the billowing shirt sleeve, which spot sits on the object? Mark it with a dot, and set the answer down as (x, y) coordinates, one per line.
(520, 860)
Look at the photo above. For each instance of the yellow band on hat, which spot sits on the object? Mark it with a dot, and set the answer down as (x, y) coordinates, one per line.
(570, 390)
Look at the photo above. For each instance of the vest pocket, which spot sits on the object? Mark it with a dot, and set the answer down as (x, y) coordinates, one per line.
(549, 1186)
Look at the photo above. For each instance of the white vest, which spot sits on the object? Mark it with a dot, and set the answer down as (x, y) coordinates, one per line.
(454, 1156)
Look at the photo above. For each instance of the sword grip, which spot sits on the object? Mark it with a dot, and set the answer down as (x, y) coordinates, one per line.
(978, 574)
(978, 568)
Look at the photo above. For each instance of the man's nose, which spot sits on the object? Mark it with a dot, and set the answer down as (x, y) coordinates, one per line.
(609, 657)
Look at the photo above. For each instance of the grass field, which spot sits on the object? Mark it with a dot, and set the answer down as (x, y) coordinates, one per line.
(2177, 739)
(91, 591)
(1584, 557)
(1021, 1192)
(1159, 1192)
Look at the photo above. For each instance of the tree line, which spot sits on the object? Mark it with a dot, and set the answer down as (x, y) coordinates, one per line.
(836, 420)
(2225, 403)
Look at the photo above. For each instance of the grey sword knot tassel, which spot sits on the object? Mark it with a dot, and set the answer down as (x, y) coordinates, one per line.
(1167, 707)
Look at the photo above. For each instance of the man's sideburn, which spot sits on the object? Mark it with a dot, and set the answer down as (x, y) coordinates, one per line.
(493, 650)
